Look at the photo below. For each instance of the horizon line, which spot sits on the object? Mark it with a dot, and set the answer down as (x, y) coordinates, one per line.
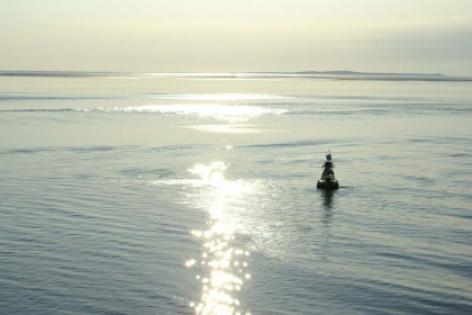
(313, 74)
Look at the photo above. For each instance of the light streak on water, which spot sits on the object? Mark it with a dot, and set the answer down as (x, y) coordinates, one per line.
(225, 265)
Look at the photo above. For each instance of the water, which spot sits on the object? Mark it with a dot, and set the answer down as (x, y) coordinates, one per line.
(175, 195)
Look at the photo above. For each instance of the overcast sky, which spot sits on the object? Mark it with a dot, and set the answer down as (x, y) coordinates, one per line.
(237, 35)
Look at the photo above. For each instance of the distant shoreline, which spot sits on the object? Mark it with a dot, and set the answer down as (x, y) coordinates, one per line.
(326, 75)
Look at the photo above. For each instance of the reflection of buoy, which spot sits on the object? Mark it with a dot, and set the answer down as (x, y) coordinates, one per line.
(328, 180)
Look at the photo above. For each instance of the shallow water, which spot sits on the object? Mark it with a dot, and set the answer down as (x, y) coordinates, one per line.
(182, 196)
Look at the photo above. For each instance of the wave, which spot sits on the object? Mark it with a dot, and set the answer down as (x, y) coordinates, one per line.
(230, 113)
(208, 110)
(150, 96)
(76, 149)
(290, 144)
(40, 110)
(240, 113)
(103, 149)
(9, 97)
(254, 99)
(219, 97)
(339, 111)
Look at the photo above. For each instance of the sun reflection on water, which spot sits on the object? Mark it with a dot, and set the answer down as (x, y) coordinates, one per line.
(226, 128)
(221, 112)
(224, 266)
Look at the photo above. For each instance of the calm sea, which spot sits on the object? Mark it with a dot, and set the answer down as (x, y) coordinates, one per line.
(161, 194)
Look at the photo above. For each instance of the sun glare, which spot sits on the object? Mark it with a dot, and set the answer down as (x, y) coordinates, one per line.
(225, 265)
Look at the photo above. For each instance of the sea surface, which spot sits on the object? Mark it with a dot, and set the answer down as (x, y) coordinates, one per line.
(188, 194)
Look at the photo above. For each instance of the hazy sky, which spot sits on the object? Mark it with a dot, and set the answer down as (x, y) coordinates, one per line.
(237, 35)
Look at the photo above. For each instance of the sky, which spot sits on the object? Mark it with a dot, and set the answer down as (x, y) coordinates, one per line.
(433, 36)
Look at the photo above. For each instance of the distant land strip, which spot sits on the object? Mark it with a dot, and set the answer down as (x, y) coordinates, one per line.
(326, 75)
